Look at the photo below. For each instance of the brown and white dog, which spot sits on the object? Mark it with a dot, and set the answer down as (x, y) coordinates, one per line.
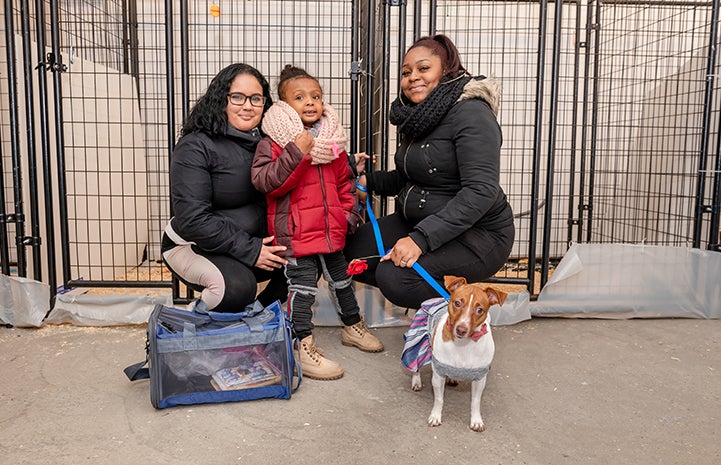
(462, 345)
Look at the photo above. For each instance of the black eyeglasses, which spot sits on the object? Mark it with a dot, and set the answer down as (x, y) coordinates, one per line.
(237, 98)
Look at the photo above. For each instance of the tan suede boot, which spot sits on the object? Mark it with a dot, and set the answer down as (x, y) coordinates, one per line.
(359, 336)
(314, 365)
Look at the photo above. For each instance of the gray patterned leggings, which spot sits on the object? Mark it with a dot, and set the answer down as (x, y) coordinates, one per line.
(303, 274)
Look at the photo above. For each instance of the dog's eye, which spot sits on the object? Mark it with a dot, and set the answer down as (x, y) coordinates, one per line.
(457, 303)
(479, 310)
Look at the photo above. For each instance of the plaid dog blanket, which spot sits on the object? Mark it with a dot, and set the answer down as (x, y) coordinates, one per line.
(417, 348)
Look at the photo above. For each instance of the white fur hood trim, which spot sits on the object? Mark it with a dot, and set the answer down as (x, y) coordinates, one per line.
(487, 89)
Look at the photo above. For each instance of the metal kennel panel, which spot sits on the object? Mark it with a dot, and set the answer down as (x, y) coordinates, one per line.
(8, 138)
(21, 146)
(134, 69)
(652, 173)
(104, 171)
(531, 48)
(610, 118)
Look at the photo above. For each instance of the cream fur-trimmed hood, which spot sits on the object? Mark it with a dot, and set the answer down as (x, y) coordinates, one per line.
(487, 89)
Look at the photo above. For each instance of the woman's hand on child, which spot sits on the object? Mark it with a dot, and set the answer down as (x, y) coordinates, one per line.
(360, 162)
(304, 141)
(268, 260)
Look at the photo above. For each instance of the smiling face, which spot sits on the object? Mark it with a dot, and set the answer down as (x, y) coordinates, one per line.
(305, 96)
(246, 116)
(421, 73)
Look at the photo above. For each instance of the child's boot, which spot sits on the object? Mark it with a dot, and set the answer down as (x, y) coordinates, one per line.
(314, 364)
(359, 336)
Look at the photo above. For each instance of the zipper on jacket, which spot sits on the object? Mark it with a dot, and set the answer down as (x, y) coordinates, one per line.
(325, 207)
(405, 159)
(405, 170)
(405, 200)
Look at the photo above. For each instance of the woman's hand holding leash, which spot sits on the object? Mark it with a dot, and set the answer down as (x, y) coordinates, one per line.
(404, 253)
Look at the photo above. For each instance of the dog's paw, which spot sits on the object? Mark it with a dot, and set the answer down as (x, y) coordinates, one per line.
(434, 420)
(477, 425)
(416, 383)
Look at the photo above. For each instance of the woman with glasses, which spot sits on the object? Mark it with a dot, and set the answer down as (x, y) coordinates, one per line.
(216, 242)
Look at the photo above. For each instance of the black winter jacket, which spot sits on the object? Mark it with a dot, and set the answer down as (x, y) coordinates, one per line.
(215, 206)
(447, 183)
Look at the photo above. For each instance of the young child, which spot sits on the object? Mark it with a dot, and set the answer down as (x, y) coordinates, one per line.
(302, 168)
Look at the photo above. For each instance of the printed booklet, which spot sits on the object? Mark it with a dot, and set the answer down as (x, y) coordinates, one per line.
(260, 373)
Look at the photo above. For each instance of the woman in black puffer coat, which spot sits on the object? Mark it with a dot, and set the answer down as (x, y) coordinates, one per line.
(216, 243)
(451, 214)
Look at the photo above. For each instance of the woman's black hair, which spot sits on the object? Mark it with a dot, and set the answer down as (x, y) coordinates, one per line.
(208, 114)
(443, 47)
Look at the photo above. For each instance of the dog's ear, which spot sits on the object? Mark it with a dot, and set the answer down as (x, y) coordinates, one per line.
(496, 296)
(452, 282)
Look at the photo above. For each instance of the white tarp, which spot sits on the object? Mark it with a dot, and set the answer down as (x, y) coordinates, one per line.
(591, 281)
(633, 281)
(23, 302)
(104, 310)
(83, 309)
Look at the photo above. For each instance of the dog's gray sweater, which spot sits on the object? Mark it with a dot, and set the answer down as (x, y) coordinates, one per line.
(459, 374)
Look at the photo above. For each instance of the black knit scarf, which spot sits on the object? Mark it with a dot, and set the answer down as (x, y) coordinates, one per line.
(416, 120)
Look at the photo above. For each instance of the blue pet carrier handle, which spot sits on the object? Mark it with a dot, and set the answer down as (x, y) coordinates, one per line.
(254, 315)
(137, 371)
(250, 311)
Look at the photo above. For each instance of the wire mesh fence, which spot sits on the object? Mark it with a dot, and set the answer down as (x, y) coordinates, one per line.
(610, 113)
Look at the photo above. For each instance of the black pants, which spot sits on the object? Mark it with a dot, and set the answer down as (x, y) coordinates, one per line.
(303, 278)
(476, 256)
(225, 284)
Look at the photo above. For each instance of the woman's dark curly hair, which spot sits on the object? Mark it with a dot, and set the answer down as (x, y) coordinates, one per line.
(208, 114)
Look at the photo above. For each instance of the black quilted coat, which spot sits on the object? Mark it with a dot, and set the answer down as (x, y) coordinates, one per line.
(447, 183)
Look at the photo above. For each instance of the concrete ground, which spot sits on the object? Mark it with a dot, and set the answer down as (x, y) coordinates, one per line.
(561, 391)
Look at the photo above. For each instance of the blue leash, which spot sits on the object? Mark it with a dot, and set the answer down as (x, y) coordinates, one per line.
(416, 266)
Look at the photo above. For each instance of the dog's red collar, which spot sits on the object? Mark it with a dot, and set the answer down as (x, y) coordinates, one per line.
(476, 335)
(479, 334)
